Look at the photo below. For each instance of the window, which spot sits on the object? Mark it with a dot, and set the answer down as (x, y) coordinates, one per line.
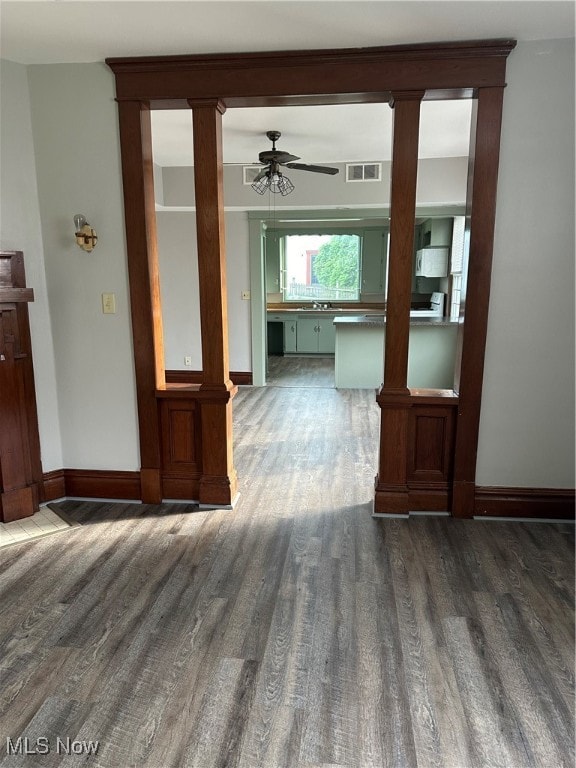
(364, 172)
(321, 267)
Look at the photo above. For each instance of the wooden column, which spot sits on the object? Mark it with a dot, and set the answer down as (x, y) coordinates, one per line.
(141, 246)
(391, 492)
(402, 221)
(481, 209)
(218, 481)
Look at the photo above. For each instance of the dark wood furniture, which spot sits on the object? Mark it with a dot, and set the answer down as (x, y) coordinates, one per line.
(20, 466)
(428, 440)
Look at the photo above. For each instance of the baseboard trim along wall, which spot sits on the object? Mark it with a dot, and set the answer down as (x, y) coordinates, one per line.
(543, 503)
(195, 377)
(54, 485)
(91, 483)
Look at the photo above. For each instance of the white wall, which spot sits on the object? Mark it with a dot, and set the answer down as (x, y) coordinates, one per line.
(20, 230)
(178, 258)
(78, 168)
(527, 420)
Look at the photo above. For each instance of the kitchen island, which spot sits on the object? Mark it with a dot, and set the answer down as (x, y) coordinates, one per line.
(359, 352)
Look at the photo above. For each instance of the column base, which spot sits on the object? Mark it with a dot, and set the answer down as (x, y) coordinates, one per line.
(17, 504)
(218, 491)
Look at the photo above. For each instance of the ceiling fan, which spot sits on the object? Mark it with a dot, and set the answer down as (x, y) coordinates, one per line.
(272, 178)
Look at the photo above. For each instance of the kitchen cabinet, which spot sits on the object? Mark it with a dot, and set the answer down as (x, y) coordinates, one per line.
(306, 334)
(316, 334)
(290, 331)
(437, 233)
(289, 324)
(326, 335)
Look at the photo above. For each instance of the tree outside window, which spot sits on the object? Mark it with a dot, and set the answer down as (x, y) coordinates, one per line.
(325, 267)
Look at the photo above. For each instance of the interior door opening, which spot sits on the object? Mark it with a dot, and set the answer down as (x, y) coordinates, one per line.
(463, 71)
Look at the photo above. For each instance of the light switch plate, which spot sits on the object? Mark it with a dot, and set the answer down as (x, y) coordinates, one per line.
(109, 303)
(246, 295)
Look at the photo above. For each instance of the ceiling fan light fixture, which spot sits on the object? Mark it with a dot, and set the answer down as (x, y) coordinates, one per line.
(274, 182)
(282, 184)
(261, 185)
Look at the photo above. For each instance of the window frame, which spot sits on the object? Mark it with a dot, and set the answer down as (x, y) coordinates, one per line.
(317, 229)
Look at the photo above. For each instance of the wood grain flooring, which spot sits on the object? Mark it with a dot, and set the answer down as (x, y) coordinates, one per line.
(296, 631)
(300, 371)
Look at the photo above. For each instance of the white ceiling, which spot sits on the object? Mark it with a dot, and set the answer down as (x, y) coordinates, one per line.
(48, 32)
(329, 134)
(43, 32)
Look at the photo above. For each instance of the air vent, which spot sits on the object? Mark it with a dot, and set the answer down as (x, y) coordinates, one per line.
(364, 172)
(249, 173)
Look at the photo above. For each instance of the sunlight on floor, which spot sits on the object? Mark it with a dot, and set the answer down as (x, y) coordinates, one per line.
(43, 523)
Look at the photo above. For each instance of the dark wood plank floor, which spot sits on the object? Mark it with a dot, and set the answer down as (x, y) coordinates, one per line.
(296, 631)
(299, 371)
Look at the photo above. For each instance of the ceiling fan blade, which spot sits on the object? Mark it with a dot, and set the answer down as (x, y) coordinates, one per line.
(276, 156)
(314, 168)
(285, 157)
(261, 175)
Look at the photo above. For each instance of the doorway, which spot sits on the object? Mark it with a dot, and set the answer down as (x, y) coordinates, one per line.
(417, 451)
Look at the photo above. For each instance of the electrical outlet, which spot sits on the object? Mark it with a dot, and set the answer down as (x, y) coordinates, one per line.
(109, 303)
(246, 295)
(187, 360)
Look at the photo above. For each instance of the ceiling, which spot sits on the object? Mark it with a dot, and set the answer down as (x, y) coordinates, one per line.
(328, 134)
(48, 32)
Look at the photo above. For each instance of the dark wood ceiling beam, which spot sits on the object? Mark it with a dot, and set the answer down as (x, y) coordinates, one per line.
(264, 78)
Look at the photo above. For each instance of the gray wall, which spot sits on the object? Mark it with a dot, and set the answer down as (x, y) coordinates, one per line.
(440, 181)
(78, 168)
(20, 230)
(527, 421)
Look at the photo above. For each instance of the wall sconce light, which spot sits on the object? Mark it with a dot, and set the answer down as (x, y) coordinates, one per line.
(86, 237)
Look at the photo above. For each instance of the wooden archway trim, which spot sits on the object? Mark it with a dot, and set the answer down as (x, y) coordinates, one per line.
(311, 77)
(446, 70)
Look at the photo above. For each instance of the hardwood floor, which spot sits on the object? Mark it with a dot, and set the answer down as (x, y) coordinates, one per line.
(296, 631)
(300, 371)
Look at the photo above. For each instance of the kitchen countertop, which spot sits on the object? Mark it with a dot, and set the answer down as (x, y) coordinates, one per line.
(379, 321)
(360, 318)
(330, 311)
